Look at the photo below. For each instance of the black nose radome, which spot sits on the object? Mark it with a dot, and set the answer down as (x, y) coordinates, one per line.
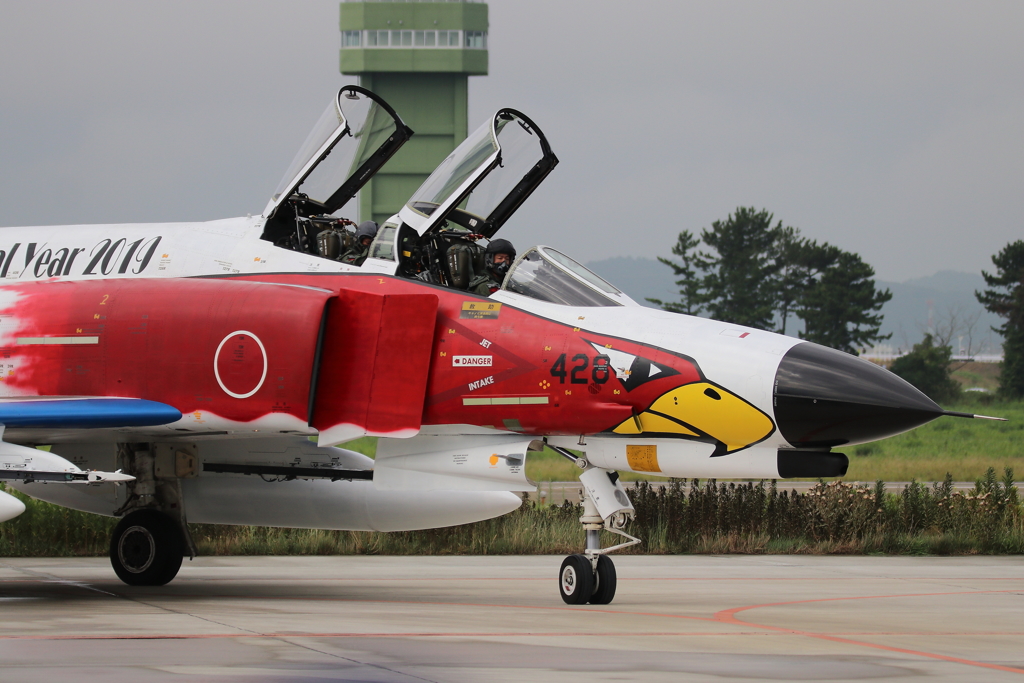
(826, 398)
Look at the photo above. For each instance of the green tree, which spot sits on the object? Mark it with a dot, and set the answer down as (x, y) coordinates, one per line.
(840, 307)
(802, 262)
(739, 284)
(686, 274)
(759, 275)
(1005, 298)
(927, 367)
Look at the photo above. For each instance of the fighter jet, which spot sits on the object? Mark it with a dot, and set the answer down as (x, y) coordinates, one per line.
(181, 372)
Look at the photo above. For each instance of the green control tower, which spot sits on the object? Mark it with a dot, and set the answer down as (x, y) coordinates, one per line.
(418, 56)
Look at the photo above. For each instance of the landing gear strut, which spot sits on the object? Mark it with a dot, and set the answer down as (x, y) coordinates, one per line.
(148, 543)
(590, 577)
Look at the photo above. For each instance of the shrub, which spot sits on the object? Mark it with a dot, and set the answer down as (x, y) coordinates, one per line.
(927, 367)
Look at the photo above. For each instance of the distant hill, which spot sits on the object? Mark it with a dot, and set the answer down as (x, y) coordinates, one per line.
(905, 315)
(938, 296)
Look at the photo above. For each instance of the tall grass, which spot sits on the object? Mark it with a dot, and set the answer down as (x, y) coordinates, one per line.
(46, 530)
(685, 517)
(834, 517)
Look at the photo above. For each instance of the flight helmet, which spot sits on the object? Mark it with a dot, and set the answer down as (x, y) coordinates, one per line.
(366, 229)
(499, 246)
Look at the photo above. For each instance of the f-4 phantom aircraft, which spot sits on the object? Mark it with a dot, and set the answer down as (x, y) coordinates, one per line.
(191, 364)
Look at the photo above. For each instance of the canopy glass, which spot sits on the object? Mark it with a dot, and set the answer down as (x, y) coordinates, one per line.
(355, 136)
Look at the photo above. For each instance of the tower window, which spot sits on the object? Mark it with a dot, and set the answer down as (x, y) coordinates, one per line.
(351, 38)
(473, 40)
(476, 40)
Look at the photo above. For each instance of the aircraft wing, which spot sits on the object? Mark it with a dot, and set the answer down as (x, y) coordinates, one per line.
(22, 463)
(84, 412)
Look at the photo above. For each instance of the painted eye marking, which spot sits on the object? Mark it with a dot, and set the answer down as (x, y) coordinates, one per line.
(711, 393)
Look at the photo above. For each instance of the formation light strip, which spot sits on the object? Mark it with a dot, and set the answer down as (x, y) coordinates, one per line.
(36, 341)
(506, 401)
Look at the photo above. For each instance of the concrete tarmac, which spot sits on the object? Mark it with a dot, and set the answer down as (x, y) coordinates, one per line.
(406, 619)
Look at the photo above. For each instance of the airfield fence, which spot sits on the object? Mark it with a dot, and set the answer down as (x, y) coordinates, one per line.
(680, 517)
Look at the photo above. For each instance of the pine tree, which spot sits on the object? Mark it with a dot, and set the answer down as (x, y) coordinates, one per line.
(1005, 298)
(687, 277)
(840, 309)
(802, 263)
(739, 284)
(757, 275)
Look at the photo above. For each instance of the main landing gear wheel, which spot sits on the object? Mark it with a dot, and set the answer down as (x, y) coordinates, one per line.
(146, 548)
(604, 588)
(576, 580)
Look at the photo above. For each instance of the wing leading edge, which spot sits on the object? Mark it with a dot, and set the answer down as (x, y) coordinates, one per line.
(83, 412)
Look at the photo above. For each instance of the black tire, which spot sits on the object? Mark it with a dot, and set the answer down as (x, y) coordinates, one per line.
(576, 580)
(146, 549)
(604, 590)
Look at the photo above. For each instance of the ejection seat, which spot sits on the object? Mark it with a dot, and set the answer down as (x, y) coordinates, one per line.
(465, 260)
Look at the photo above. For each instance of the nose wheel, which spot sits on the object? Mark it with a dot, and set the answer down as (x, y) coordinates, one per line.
(583, 580)
(604, 581)
(590, 577)
(576, 580)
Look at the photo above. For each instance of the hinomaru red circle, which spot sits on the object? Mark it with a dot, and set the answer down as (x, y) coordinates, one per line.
(240, 365)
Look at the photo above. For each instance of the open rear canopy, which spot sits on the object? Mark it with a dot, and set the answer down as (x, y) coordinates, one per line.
(485, 179)
(355, 136)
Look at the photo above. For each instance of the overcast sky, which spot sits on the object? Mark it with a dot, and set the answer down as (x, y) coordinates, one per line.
(892, 129)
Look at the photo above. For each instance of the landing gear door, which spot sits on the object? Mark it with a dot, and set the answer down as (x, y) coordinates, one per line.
(355, 136)
(485, 179)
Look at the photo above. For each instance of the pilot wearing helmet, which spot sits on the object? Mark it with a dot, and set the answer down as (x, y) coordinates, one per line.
(498, 258)
(358, 252)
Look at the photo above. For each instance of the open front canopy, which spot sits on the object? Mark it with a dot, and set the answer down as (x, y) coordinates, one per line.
(489, 175)
(355, 136)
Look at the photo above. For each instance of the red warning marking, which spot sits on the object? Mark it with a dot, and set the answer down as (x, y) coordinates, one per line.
(729, 617)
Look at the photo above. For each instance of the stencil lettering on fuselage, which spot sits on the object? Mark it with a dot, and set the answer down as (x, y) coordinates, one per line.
(457, 330)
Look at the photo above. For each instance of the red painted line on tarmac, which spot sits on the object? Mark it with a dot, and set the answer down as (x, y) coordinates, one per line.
(724, 616)
(431, 634)
(496, 634)
(925, 633)
(729, 617)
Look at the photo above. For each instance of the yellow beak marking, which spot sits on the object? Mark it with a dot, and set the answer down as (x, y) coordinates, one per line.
(701, 409)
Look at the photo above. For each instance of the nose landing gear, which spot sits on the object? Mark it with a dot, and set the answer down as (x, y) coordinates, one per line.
(590, 577)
